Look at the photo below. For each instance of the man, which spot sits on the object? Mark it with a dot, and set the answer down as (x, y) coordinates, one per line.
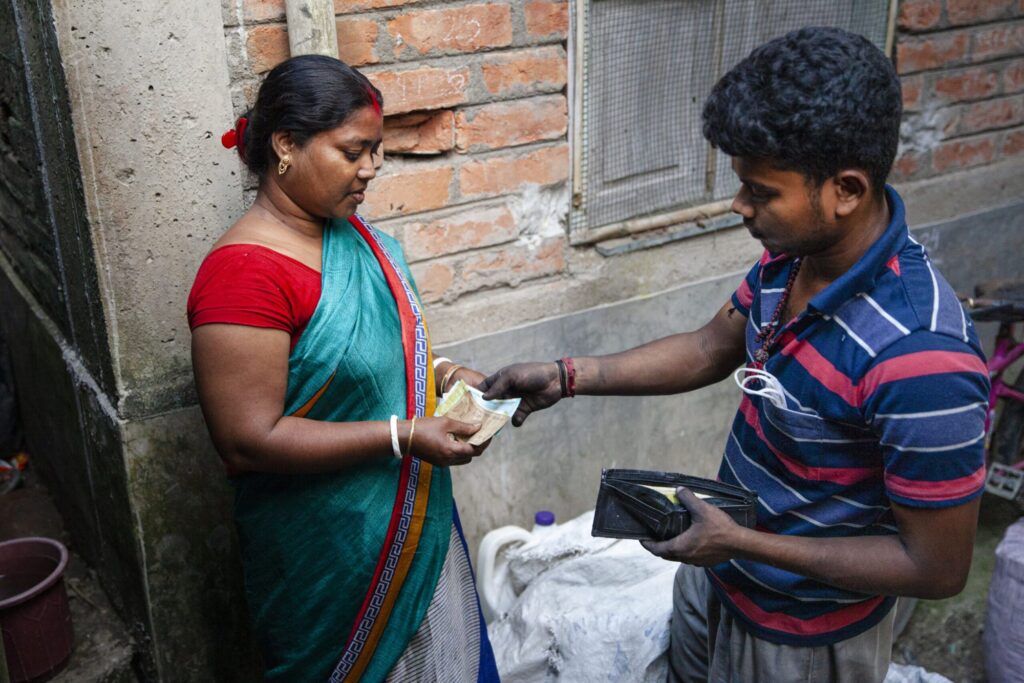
(861, 427)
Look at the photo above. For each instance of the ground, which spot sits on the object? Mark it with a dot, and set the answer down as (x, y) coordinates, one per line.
(102, 649)
(944, 636)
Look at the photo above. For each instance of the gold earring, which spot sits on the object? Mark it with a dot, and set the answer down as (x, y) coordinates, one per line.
(285, 162)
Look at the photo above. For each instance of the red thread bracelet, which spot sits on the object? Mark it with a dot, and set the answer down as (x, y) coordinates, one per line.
(570, 371)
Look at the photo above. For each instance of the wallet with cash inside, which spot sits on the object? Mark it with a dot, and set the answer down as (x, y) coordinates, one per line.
(641, 504)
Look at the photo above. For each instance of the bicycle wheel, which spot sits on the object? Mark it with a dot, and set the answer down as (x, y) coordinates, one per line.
(1008, 433)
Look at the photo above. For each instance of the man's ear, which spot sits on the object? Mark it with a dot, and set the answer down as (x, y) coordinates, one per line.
(281, 141)
(852, 187)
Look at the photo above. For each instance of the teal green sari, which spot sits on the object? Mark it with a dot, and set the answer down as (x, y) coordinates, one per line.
(340, 568)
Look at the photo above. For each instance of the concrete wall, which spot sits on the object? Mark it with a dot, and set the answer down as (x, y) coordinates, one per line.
(474, 186)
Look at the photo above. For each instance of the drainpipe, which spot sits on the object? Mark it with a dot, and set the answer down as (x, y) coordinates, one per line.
(311, 27)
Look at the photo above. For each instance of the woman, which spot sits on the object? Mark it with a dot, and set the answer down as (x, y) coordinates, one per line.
(308, 344)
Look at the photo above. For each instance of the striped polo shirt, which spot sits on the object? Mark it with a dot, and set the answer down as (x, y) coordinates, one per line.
(880, 397)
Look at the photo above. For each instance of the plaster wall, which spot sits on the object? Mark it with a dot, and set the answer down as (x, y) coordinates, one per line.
(148, 85)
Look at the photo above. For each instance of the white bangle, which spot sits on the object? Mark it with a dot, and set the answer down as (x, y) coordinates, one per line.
(441, 359)
(394, 437)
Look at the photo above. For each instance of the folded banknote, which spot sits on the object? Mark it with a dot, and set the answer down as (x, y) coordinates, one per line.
(466, 404)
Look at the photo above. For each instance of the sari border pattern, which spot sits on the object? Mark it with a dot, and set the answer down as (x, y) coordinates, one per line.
(420, 351)
(414, 483)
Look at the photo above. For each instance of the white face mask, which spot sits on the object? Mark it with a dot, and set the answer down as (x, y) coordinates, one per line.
(770, 389)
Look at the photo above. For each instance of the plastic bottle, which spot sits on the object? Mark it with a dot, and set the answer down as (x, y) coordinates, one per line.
(496, 592)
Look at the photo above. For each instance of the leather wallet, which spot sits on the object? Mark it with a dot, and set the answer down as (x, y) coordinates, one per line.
(628, 508)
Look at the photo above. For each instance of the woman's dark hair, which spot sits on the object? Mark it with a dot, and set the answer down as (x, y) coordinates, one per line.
(304, 95)
(813, 101)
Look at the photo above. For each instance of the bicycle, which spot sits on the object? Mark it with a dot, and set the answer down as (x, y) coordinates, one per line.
(1003, 302)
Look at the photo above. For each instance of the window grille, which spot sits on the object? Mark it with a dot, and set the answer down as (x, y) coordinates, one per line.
(641, 72)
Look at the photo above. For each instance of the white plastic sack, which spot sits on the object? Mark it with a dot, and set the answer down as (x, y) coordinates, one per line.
(1004, 619)
(589, 609)
(596, 609)
(904, 673)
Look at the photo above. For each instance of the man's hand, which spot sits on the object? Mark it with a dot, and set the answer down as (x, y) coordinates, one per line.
(537, 384)
(711, 539)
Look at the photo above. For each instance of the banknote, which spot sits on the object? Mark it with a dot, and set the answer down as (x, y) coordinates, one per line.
(466, 404)
(670, 492)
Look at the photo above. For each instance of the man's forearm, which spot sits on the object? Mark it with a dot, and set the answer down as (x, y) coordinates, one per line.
(877, 565)
(671, 365)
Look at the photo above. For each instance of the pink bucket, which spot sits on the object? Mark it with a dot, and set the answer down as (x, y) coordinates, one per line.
(35, 618)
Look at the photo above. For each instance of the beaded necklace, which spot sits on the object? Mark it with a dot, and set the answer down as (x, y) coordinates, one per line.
(768, 336)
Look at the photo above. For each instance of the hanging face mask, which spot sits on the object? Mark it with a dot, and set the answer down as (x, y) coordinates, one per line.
(769, 386)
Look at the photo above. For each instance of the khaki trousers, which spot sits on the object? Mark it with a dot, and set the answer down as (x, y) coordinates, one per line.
(709, 646)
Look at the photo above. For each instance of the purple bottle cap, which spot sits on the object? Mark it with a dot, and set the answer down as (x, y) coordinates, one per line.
(544, 518)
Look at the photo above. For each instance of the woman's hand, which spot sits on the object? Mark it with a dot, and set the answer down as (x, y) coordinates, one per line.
(469, 376)
(434, 441)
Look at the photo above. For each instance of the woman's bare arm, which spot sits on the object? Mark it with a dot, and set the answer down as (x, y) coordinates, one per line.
(241, 375)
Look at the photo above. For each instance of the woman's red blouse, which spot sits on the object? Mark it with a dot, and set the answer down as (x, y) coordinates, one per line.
(246, 284)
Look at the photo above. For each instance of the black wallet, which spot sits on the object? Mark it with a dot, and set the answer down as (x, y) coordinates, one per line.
(627, 508)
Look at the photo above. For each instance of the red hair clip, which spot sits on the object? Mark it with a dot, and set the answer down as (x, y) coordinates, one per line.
(236, 137)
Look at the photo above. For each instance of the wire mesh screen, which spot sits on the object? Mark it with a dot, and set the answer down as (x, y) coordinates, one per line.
(648, 65)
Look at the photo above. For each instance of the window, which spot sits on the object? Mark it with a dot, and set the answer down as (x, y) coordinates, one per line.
(641, 72)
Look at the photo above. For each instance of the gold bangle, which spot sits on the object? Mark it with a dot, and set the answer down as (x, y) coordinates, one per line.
(412, 430)
(448, 375)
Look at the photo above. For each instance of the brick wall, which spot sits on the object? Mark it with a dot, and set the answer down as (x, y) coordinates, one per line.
(961, 63)
(475, 98)
(475, 114)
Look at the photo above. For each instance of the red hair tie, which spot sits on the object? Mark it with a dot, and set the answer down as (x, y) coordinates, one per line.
(236, 137)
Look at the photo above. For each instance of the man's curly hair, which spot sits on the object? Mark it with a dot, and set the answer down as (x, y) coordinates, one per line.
(814, 101)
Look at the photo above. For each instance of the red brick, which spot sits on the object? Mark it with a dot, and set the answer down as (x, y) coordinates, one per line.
(469, 28)
(419, 133)
(962, 12)
(1004, 40)
(1002, 112)
(408, 189)
(547, 19)
(506, 124)
(1013, 144)
(911, 87)
(421, 88)
(501, 175)
(920, 15)
(513, 264)
(932, 52)
(433, 280)
(262, 10)
(968, 84)
(906, 166)
(1013, 76)
(472, 229)
(958, 154)
(357, 41)
(525, 71)
(267, 46)
(350, 6)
